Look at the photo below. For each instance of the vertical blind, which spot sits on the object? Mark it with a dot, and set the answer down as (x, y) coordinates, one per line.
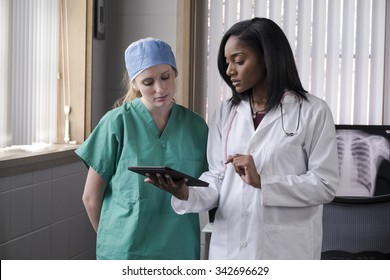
(339, 46)
(5, 126)
(28, 80)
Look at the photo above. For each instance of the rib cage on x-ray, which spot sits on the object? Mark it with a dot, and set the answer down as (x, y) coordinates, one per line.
(360, 155)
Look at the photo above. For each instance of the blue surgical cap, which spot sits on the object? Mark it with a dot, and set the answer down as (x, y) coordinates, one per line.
(145, 53)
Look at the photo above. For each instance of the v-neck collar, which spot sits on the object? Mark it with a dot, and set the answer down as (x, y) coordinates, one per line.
(147, 116)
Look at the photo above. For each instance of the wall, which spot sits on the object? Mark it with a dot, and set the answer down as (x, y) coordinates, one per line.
(42, 215)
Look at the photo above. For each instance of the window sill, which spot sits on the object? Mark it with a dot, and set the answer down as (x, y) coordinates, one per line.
(18, 162)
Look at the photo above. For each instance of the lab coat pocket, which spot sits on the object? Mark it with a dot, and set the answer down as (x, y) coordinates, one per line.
(285, 159)
(287, 242)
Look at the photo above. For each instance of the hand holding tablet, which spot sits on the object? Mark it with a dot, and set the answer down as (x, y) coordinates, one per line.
(164, 170)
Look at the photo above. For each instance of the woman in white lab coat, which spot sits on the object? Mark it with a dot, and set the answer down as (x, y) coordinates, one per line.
(272, 154)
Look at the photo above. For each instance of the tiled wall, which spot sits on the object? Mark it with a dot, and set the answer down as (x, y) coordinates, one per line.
(42, 215)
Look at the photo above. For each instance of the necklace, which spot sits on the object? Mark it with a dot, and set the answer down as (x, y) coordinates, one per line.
(253, 109)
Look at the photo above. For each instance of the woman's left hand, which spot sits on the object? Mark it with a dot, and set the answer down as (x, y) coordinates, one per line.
(245, 168)
(179, 189)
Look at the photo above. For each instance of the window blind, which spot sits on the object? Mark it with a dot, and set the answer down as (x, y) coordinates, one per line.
(29, 41)
(339, 46)
(5, 127)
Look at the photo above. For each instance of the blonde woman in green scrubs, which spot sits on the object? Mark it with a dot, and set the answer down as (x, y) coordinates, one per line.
(133, 219)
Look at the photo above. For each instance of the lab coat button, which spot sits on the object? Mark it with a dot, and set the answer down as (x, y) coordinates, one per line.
(244, 243)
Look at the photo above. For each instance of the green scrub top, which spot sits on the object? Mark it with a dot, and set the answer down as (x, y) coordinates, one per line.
(137, 220)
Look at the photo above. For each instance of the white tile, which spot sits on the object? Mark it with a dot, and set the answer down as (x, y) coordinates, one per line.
(21, 180)
(41, 244)
(60, 241)
(77, 182)
(90, 232)
(77, 235)
(61, 171)
(43, 175)
(60, 199)
(5, 184)
(19, 249)
(89, 254)
(5, 216)
(21, 209)
(78, 167)
(42, 205)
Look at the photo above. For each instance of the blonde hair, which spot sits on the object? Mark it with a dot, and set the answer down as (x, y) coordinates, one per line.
(131, 92)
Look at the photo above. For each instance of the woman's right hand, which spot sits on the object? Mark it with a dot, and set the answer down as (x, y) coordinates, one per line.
(178, 189)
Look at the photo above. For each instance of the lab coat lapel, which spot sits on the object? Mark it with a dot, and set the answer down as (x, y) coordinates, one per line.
(274, 115)
(244, 111)
(269, 119)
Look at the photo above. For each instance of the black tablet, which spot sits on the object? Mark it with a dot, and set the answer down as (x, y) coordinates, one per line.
(176, 175)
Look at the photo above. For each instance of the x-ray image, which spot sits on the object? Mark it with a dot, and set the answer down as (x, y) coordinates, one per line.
(364, 161)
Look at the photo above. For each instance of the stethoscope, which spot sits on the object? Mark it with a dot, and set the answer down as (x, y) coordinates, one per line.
(287, 98)
(289, 134)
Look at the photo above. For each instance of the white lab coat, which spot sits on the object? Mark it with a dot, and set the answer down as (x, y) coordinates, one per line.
(283, 219)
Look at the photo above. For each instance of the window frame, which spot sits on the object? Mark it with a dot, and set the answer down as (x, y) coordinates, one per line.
(80, 27)
(191, 45)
